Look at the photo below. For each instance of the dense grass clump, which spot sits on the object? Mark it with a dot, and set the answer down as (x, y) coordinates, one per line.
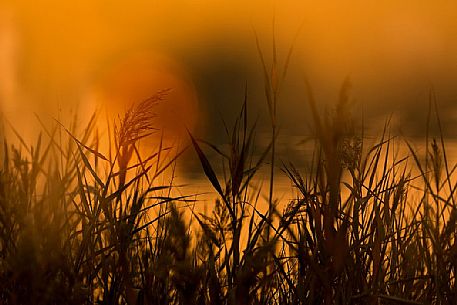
(367, 225)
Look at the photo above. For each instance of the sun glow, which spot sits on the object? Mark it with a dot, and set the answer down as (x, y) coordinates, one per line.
(137, 77)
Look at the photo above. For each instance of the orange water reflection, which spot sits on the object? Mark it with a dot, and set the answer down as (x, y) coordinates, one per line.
(108, 54)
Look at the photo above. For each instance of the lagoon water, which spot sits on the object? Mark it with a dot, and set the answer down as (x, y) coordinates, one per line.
(90, 55)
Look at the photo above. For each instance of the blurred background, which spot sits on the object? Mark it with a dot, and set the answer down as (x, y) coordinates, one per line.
(58, 56)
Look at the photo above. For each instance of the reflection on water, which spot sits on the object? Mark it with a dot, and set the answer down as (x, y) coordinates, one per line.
(193, 181)
(59, 54)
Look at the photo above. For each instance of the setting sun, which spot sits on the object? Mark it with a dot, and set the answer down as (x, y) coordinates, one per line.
(228, 152)
(139, 76)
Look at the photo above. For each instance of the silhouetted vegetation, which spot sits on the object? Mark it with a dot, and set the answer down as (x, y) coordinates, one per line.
(368, 225)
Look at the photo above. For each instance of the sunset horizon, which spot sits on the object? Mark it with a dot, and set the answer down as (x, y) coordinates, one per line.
(228, 152)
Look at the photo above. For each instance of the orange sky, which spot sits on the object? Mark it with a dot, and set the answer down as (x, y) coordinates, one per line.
(66, 52)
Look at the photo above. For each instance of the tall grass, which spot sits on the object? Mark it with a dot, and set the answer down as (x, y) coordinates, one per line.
(367, 226)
